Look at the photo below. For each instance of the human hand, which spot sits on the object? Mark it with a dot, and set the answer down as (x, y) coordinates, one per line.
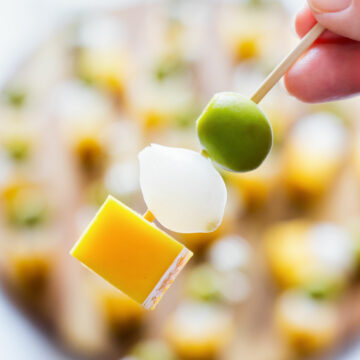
(330, 70)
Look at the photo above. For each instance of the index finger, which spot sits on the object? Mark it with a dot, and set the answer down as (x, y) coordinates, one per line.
(305, 20)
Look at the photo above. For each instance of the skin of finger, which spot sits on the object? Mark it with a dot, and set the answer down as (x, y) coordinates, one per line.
(305, 20)
(326, 72)
(345, 23)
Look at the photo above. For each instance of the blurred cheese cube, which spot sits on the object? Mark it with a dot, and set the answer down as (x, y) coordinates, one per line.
(243, 40)
(313, 155)
(253, 189)
(122, 316)
(333, 250)
(84, 115)
(199, 330)
(287, 254)
(30, 273)
(131, 253)
(318, 258)
(106, 68)
(29, 262)
(247, 32)
(103, 58)
(282, 113)
(306, 324)
(90, 154)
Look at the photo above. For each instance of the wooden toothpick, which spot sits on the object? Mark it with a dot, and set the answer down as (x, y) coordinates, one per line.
(285, 65)
(149, 216)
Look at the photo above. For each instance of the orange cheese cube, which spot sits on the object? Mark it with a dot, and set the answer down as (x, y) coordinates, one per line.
(131, 253)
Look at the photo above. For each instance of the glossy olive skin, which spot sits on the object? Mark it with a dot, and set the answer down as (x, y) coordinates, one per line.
(234, 132)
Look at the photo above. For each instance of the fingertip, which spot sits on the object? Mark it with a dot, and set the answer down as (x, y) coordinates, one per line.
(340, 17)
(304, 21)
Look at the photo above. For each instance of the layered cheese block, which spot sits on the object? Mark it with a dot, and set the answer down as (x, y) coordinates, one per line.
(131, 253)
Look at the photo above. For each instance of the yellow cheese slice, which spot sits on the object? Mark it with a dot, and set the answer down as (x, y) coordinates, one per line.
(131, 253)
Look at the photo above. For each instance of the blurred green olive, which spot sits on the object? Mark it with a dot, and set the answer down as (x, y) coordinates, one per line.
(28, 210)
(16, 97)
(18, 149)
(152, 350)
(325, 288)
(203, 283)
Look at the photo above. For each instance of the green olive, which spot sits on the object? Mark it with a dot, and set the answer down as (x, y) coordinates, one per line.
(234, 132)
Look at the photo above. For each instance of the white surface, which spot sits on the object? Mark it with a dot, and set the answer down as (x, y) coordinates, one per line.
(19, 339)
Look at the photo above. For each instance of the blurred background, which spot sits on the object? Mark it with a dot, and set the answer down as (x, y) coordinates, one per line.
(85, 85)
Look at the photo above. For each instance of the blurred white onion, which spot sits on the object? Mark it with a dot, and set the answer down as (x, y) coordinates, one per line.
(198, 321)
(236, 287)
(322, 134)
(332, 247)
(229, 253)
(122, 179)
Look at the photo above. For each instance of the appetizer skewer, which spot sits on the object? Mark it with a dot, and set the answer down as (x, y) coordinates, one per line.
(237, 135)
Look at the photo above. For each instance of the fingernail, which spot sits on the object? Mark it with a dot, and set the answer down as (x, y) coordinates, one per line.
(324, 6)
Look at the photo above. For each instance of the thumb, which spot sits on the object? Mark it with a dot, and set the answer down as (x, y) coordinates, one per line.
(340, 16)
